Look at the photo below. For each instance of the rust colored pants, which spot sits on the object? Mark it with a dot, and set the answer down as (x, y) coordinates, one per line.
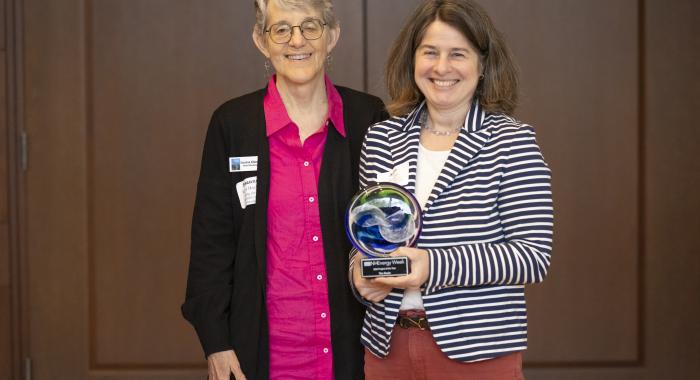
(414, 355)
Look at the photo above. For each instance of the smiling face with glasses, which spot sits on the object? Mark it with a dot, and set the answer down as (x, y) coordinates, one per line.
(297, 42)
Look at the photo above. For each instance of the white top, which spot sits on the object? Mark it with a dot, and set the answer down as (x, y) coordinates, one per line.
(428, 168)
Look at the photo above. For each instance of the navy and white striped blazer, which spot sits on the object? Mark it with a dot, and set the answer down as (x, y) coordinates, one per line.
(487, 226)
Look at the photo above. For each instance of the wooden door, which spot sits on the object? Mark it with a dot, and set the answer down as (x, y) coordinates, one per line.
(117, 95)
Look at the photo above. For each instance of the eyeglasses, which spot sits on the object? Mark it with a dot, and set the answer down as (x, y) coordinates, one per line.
(281, 33)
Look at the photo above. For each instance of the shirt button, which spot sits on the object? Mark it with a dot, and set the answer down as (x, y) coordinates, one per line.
(306, 163)
(323, 315)
(311, 199)
(325, 350)
(319, 277)
(315, 238)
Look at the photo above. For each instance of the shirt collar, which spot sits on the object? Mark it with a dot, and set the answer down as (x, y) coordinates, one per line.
(276, 116)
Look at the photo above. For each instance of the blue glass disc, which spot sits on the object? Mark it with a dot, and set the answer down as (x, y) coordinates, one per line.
(382, 218)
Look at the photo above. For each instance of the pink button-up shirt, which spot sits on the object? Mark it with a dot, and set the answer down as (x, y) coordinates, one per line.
(297, 291)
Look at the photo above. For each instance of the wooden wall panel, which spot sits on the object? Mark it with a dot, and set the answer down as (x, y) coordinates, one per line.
(10, 337)
(384, 21)
(4, 182)
(148, 119)
(3, 24)
(347, 67)
(673, 179)
(5, 300)
(579, 87)
(56, 212)
(5, 334)
(579, 90)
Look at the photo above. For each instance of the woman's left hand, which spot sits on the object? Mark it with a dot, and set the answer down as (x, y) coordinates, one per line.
(420, 266)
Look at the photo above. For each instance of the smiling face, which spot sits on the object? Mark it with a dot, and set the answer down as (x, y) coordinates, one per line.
(298, 61)
(447, 68)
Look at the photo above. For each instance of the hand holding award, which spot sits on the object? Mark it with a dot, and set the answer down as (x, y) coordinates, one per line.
(380, 219)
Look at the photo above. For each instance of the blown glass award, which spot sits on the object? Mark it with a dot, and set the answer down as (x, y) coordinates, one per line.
(380, 219)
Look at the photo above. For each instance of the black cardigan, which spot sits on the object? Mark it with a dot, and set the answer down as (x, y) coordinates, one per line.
(226, 283)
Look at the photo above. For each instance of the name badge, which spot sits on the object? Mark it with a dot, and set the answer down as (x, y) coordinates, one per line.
(397, 175)
(243, 164)
(246, 190)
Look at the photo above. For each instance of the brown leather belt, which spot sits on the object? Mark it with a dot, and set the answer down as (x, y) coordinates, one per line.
(409, 322)
(413, 319)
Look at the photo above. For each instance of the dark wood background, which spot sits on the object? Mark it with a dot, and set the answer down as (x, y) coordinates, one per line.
(115, 95)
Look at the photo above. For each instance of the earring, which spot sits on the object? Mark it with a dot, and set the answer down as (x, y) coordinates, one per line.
(267, 69)
(329, 62)
(481, 77)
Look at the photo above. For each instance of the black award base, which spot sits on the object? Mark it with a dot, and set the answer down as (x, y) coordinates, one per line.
(385, 267)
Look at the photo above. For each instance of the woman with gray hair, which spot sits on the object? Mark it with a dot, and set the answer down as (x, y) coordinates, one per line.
(267, 289)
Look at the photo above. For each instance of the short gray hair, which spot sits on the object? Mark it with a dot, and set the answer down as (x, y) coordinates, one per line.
(325, 7)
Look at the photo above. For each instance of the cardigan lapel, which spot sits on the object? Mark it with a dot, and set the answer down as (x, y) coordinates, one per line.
(262, 193)
(334, 190)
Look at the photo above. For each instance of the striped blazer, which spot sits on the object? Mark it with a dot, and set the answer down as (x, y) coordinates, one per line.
(487, 227)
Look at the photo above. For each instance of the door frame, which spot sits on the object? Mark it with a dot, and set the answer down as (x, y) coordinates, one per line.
(17, 146)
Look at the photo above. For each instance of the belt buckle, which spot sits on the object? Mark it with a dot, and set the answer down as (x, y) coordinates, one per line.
(407, 322)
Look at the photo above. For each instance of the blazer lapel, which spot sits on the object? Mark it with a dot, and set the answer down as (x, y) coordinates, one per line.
(412, 127)
(472, 138)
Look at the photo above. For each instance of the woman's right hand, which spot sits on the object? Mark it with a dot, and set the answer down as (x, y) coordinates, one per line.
(223, 364)
(368, 288)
